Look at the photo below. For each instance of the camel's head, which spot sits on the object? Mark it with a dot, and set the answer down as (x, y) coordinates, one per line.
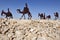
(2, 12)
(18, 10)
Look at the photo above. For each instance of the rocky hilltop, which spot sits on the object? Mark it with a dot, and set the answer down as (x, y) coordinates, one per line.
(14, 29)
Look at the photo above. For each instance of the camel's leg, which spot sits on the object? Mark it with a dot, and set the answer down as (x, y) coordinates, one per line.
(28, 17)
(22, 16)
(11, 17)
(6, 17)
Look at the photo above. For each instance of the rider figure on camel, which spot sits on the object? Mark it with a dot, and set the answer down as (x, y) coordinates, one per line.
(9, 13)
(26, 9)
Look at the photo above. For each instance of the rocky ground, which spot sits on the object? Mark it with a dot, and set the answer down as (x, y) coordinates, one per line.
(14, 29)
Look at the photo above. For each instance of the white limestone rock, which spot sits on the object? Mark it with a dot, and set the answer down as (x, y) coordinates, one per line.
(14, 29)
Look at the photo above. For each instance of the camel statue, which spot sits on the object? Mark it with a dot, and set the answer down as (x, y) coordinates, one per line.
(56, 14)
(48, 17)
(8, 14)
(25, 11)
(42, 16)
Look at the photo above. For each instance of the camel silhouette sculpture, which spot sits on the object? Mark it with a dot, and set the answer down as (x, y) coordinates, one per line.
(25, 11)
(56, 14)
(48, 17)
(42, 15)
(8, 14)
